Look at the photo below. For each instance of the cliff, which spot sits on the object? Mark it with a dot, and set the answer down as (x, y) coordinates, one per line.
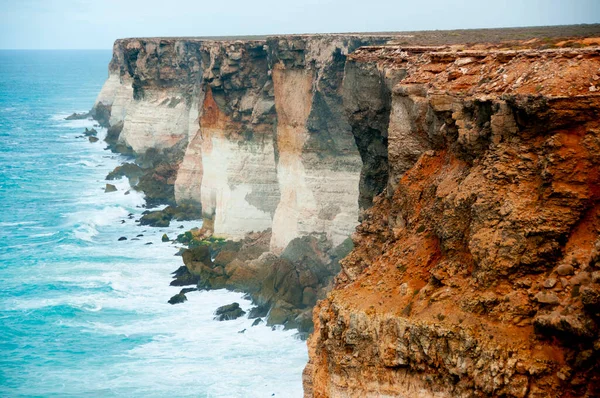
(477, 272)
(467, 176)
(255, 127)
(253, 132)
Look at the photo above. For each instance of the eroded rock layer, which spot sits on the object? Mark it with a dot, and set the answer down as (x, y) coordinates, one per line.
(476, 273)
(255, 129)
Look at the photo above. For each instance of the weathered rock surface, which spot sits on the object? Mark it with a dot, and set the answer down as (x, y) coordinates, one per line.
(110, 188)
(252, 131)
(229, 312)
(475, 271)
(493, 190)
(78, 116)
(178, 298)
(284, 288)
(162, 218)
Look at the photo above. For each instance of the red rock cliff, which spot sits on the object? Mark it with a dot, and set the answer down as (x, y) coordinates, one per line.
(477, 272)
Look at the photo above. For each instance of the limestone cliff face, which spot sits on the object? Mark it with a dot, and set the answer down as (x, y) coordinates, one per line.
(319, 163)
(256, 128)
(153, 91)
(476, 272)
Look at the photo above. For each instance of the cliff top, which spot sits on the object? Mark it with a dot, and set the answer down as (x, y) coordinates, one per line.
(431, 37)
(569, 68)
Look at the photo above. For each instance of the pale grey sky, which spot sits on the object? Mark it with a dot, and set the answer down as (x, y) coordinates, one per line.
(97, 23)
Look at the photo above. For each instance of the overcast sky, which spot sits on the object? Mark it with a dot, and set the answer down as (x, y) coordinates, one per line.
(97, 23)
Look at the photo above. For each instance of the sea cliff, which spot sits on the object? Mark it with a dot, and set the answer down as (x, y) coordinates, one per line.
(466, 175)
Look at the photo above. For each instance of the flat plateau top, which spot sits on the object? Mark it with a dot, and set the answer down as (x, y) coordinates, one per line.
(431, 37)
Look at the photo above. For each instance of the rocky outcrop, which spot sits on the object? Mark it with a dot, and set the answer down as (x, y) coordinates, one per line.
(472, 273)
(229, 312)
(284, 288)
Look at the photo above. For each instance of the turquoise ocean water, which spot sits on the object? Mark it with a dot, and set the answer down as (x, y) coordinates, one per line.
(81, 313)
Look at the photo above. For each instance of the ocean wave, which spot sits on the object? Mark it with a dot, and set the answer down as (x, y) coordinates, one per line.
(17, 223)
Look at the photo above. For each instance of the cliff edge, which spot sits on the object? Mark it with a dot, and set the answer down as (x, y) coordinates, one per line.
(477, 272)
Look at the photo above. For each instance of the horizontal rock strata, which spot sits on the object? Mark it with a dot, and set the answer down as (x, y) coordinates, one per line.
(472, 274)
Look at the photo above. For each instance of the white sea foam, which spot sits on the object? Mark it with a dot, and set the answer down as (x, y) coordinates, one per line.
(17, 223)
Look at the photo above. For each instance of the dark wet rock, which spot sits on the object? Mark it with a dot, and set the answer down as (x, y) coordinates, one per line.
(158, 184)
(110, 188)
(93, 139)
(101, 113)
(156, 219)
(135, 239)
(242, 331)
(257, 322)
(188, 289)
(127, 192)
(165, 238)
(122, 238)
(112, 139)
(132, 171)
(177, 299)
(149, 243)
(122, 221)
(283, 288)
(259, 311)
(139, 235)
(78, 116)
(229, 312)
(162, 218)
(181, 227)
(183, 277)
(90, 133)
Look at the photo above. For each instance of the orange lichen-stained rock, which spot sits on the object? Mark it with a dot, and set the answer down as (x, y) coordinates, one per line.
(477, 272)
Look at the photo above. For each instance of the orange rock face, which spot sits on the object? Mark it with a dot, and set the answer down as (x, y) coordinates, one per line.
(477, 273)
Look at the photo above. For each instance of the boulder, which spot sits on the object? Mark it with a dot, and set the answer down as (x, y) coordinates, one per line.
(110, 188)
(564, 270)
(229, 312)
(93, 139)
(177, 299)
(165, 238)
(122, 238)
(156, 219)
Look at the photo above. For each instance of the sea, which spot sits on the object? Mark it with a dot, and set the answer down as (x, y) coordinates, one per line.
(83, 314)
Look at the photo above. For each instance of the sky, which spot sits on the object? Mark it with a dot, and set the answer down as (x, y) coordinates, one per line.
(95, 24)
